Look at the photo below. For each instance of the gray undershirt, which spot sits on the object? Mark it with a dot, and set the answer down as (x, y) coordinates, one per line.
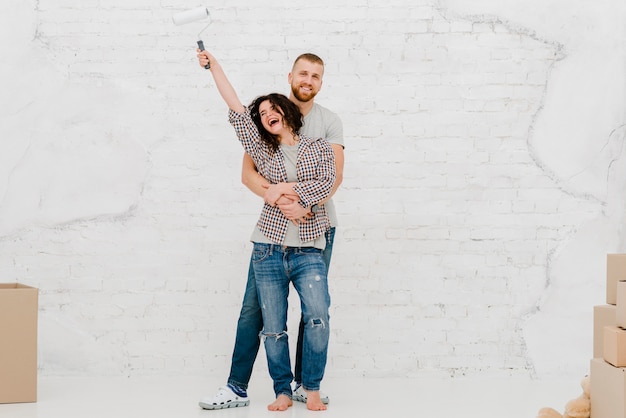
(292, 237)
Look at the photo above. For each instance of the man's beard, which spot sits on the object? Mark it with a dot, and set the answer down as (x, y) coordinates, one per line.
(303, 98)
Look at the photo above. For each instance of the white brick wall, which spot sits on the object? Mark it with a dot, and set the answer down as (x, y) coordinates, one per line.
(472, 234)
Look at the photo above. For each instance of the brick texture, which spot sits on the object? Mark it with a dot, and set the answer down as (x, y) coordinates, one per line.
(120, 193)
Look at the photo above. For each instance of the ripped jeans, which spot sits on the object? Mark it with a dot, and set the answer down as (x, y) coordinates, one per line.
(275, 267)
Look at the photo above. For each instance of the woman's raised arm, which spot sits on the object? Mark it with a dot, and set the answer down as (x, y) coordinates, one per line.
(221, 81)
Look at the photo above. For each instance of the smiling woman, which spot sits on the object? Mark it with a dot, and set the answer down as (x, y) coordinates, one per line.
(277, 118)
(286, 250)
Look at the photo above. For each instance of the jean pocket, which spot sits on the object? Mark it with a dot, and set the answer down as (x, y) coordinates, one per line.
(260, 252)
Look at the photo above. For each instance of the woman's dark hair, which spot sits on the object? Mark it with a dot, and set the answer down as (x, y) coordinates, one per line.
(291, 115)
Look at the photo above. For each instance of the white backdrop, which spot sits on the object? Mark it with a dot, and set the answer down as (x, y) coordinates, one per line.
(484, 180)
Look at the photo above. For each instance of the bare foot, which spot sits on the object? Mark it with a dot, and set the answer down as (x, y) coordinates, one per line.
(314, 402)
(281, 403)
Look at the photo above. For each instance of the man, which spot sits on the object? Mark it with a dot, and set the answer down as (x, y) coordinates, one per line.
(305, 79)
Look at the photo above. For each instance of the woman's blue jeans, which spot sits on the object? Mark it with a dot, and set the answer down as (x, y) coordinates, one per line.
(250, 324)
(275, 267)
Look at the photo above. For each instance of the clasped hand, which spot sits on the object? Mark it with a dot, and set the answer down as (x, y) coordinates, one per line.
(288, 202)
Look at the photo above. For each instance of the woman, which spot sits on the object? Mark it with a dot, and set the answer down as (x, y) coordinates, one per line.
(287, 247)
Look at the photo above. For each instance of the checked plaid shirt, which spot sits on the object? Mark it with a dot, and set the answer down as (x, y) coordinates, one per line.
(316, 175)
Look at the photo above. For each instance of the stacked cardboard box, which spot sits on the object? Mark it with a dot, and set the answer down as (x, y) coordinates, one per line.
(18, 343)
(608, 367)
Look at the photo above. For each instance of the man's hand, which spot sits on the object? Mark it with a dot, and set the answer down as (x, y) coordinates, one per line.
(281, 195)
(275, 191)
(285, 199)
(294, 211)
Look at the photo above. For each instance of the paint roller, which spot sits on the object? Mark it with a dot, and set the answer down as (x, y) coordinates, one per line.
(193, 15)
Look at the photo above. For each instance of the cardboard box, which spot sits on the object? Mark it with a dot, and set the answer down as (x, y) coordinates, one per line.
(608, 389)
(603, 315)
(614, 350)
(18, 343)
(615, 272)
(620, 313)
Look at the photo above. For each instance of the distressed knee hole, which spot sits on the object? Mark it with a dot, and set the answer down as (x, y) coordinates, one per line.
(318, 322)
(277, 336)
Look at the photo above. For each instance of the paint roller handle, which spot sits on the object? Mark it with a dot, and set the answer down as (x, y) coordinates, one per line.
(201, 47)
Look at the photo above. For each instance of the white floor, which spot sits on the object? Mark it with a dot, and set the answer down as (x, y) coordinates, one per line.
(177, 397)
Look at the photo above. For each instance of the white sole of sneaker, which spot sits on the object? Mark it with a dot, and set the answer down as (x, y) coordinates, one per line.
(300, 398)
(234, 404)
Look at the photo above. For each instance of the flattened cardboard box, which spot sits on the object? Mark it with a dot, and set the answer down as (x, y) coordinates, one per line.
(608, 389)
(620, 312)
(615, 271)
(603, 315)
(18, 343)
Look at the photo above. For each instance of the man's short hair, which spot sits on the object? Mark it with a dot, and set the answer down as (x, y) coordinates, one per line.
(309, 57)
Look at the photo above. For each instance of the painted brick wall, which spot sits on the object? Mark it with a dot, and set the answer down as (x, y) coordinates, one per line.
(481, 193)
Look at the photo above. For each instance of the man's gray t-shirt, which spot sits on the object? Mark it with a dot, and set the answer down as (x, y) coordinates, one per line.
(323, 123)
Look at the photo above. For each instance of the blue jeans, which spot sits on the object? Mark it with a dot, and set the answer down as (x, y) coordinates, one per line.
(275, 267)
(327, 253)
(250, 324)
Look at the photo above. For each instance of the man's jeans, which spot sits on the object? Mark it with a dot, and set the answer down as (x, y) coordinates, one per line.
(250, 324)
(275, 267)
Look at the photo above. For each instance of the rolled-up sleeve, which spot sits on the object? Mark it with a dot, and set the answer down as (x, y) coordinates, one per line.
(316, 172)
(248, 134)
